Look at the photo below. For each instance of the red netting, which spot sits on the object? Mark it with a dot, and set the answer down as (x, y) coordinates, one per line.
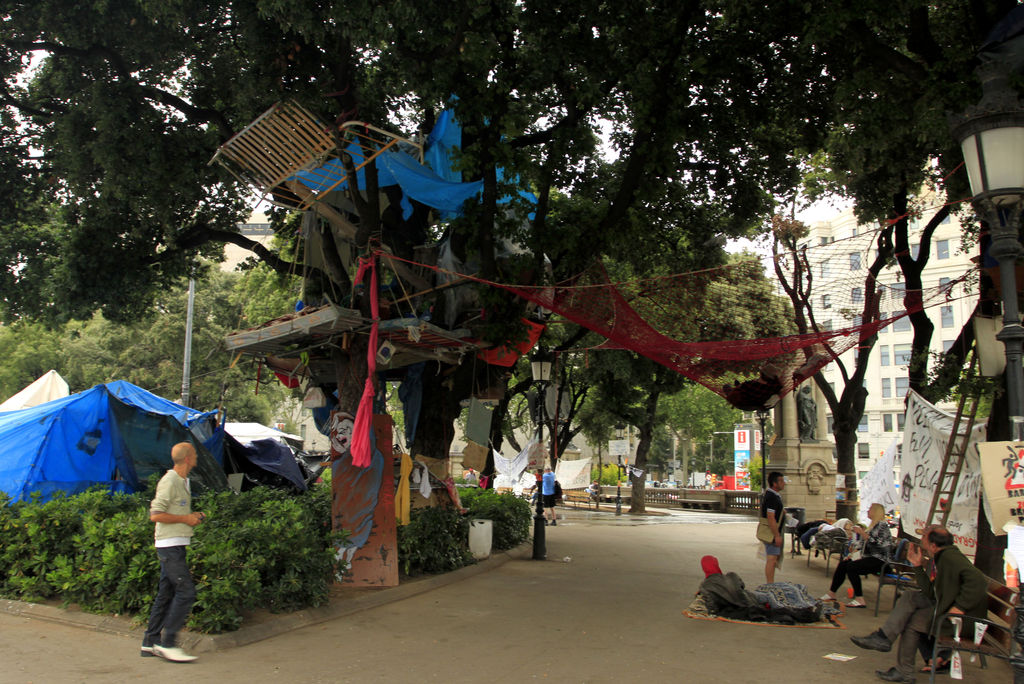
(700, 323)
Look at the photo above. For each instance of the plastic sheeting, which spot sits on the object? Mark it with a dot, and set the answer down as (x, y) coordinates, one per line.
(395, 167)
(272, 456)
(115, 435)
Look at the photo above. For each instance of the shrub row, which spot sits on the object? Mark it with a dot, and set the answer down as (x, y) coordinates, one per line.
(437, 539)
(259, 549)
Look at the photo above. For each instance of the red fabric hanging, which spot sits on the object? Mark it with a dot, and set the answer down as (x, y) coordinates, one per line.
(360, 448)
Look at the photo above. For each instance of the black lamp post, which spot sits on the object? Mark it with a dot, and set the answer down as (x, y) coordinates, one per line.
(991, 136)
(540, 367)
(618, 487)
(762, 417)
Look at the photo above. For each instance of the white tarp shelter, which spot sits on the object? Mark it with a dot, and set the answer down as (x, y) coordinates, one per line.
(47, 387)
(246, 433)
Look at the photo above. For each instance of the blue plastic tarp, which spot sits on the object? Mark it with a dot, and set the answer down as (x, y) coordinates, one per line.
(113, 435)
(395, 167)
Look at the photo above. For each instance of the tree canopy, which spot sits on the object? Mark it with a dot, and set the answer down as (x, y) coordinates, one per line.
(648, 130)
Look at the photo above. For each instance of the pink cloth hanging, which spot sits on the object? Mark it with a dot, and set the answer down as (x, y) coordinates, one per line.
(360, 448)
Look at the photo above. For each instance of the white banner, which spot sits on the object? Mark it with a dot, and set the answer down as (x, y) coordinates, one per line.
(879, 486)
(573, 474)
(924, 445)
(511, 468)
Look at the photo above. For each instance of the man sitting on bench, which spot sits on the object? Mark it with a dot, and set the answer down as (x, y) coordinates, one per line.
(949, 584)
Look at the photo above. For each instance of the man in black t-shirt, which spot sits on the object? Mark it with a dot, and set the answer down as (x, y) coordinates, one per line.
(772, 509)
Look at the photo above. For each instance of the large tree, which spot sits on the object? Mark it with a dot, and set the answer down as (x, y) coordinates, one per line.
(119, 107)
(149, 352)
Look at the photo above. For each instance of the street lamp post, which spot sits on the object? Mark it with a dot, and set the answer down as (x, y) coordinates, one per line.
(762, 417)
(991, 137)
(540, 367)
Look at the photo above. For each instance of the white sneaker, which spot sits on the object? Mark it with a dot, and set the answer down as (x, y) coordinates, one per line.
(173, 653)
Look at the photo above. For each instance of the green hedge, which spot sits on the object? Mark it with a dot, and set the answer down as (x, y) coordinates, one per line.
(259, 549)
(511, 515)
(437, 539)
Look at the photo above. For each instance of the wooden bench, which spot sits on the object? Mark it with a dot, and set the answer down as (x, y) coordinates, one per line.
(701, 504)
(998, 640)
(576, 498)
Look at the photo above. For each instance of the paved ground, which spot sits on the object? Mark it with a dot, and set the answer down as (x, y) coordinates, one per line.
(605, 607)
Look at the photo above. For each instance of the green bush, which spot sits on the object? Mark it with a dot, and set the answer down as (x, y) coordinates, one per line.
(608, 475)
(435, 540)
(260, 549)
(511, 515)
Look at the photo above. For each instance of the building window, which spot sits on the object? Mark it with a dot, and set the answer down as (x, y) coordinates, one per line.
(863, 450)
(884, 351)
(915, 250)
(943, 282)
(302, 431)
(942, 249)
(831, 423)
(857, 295)
(898, 291)
(827, 325)
(887, 388)
(947, 316)
(902, 385)
(826, 302)
(855, 261)
(886, 422)
(901, 324)
(900, 422)
(862, 426)
(947, 345)
(825, 271)
(901, 354)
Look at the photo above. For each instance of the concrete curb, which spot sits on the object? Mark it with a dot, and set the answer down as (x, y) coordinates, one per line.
(276, 625)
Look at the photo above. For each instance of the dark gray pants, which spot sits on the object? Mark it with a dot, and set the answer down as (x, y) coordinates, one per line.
(174, 598)
(910, 620)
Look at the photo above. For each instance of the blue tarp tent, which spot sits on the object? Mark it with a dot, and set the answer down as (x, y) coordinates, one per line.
(115, 435)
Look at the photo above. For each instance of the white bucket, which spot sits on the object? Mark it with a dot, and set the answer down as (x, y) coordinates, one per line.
(480, 533)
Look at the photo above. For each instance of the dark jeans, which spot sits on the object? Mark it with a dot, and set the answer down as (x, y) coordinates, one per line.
(852, 570)
(174, 598)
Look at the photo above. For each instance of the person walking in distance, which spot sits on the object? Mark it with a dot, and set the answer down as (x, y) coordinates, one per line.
(772, 509)
(547, 490)
(171, 510)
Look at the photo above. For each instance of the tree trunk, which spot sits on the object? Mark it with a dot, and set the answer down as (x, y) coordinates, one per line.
(646, 430)
(845, 422)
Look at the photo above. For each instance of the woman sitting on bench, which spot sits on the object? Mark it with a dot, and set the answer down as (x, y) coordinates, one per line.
(877, 550)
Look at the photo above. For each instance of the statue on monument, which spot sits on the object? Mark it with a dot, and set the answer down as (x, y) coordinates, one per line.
(807, 415)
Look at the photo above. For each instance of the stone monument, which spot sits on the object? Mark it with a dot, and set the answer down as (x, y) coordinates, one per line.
(802, 455)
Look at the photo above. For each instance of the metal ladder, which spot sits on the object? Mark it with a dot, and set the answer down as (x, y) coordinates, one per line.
(956, 450)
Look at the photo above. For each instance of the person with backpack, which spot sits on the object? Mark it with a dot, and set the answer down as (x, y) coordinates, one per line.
(548, 495)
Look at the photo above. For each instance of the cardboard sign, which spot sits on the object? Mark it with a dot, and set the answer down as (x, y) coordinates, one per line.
(1002, 472)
